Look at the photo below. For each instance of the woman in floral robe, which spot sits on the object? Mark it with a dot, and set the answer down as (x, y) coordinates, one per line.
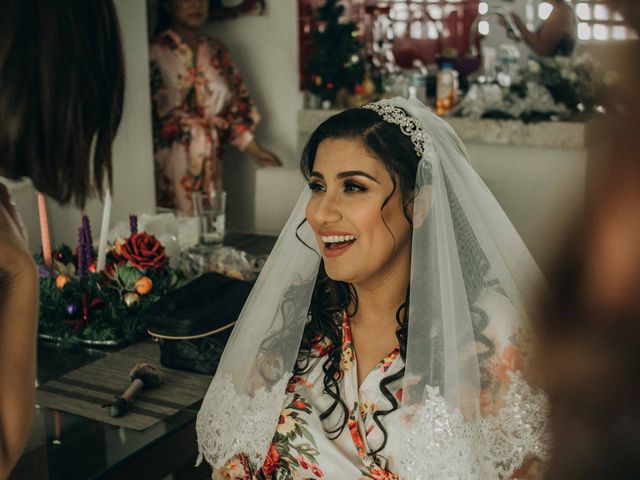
(301, 448)
(300, 437)
(199, 103)
(336, 369)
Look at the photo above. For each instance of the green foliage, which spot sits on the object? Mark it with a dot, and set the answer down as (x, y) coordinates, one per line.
(128, 276)
(335, 61)
(93, 308)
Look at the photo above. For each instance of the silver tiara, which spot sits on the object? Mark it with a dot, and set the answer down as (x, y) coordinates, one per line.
(409, 125)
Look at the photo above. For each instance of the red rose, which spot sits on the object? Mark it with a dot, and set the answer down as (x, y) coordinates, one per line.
(271, 463)
(143, 251)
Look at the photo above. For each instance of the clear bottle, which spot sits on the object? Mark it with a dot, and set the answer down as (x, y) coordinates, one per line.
(508, 62)
(447, 89)
(418, 82)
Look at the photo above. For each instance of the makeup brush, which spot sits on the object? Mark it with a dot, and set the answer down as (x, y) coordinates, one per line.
(143, 376)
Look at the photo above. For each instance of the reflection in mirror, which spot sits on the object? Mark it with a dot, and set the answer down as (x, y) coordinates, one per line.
(395, 34)
(200, 102)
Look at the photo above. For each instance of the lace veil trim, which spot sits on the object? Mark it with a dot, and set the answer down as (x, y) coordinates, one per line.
(440, 443)
(250, 434)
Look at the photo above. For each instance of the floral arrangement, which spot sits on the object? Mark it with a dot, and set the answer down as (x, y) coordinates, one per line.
(562, 88)
(79, 304)
(578, 83)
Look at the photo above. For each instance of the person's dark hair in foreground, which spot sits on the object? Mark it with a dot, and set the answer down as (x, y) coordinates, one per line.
(61, 94)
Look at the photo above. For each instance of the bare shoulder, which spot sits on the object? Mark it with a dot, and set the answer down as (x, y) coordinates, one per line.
(15, 259)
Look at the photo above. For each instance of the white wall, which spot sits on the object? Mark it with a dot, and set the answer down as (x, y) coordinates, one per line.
(265, 48)
(540, 189)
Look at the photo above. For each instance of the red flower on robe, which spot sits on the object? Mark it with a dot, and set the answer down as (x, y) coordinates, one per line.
(272, 461)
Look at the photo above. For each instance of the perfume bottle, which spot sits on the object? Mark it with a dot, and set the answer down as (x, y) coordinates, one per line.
(447, 89)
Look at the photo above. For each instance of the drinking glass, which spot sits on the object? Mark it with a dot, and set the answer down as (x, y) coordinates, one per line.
(209, 208)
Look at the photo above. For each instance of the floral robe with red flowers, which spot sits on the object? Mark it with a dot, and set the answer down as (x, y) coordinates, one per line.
(301, 449)
(199, 103)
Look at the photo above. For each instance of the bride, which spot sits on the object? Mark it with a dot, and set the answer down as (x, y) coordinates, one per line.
(386, 335)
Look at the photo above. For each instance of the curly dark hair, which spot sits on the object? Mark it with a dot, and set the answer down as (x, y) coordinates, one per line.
(330, 297)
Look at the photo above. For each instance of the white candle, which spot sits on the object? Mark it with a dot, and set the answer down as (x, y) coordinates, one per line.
(104, 230)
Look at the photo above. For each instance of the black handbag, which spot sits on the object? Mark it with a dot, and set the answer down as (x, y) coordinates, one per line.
(194, 322)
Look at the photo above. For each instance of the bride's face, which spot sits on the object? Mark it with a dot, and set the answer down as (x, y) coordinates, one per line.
(363, 241)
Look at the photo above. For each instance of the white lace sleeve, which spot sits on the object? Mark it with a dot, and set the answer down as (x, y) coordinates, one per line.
(222, 435)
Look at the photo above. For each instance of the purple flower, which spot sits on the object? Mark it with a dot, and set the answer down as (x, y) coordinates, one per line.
(86, 224)
(88, 239)
(133, 224)
(72, 309)
(83, 266)
(45, 272)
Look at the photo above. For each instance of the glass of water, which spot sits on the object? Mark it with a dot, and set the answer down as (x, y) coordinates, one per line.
(209, 207)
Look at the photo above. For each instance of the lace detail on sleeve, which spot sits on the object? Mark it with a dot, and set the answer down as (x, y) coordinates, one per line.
(442, 446)
(223, 435)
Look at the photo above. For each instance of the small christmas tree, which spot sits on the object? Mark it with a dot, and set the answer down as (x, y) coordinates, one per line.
(335, 59)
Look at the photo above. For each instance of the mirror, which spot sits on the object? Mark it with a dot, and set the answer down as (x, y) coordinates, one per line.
(395, 34)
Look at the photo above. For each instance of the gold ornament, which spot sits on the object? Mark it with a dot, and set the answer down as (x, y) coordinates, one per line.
(117, 245)
(234, 274)
(131, 299)
(62, 280)
(143, 285)
(368, 86)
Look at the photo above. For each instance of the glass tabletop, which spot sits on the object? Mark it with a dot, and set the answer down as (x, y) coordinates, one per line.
(75, 447)
(66, 446)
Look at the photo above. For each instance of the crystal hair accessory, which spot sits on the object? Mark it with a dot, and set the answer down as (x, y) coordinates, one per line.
(409, 126)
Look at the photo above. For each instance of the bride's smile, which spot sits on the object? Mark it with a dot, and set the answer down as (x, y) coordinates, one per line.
(357, 214)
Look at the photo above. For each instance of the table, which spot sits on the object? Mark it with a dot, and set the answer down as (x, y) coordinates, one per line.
(69, 447)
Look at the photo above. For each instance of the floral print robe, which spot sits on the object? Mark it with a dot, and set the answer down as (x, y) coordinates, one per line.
(199, 103)
(302, 450)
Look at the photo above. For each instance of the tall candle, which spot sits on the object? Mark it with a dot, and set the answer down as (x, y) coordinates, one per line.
(104, 230)
(44, 230)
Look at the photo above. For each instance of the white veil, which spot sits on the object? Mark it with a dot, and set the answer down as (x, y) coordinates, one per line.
(468, 412)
